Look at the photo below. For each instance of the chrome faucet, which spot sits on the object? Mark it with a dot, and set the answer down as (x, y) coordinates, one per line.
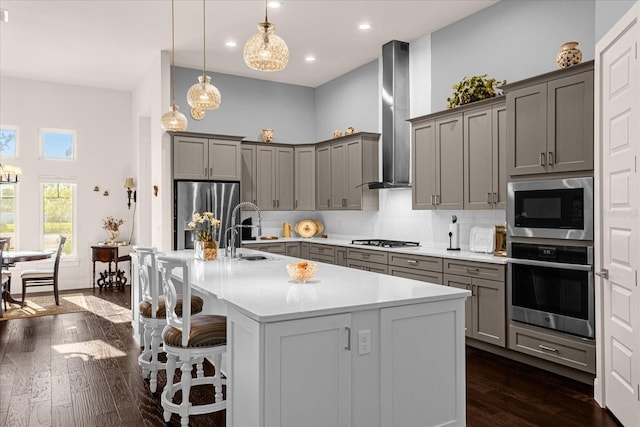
(233, 228)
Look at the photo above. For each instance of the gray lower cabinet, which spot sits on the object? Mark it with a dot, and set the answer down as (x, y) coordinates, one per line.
(212, 157)
(274, 177)
(322, 253)
(562, 349)
(416, 267)
(368, 260)
(550, 122)
(304, 250)
(437, 147)
(341, 256)
(486, 309)
(278, 248)
(485, 158)
(305, 178)
(293, 249)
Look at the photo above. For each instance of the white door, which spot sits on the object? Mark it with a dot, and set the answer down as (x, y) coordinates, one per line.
(619, 240)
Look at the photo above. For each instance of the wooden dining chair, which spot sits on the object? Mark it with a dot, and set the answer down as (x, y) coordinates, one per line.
(44, 277)
(4, 280)
(186, 341)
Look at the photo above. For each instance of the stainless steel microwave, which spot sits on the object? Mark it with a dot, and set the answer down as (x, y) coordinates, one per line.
(557, 208)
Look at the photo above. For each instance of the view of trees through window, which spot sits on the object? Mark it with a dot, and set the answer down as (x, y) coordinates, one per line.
(8, 138)
(57, 144)
(57, 205)
(8, 212)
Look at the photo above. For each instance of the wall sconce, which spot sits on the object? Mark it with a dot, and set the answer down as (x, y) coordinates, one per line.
(131, 194)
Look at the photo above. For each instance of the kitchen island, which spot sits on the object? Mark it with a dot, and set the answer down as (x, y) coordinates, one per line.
(348, 348)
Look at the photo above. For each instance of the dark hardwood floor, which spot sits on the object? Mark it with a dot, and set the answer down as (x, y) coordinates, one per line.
(80, 369)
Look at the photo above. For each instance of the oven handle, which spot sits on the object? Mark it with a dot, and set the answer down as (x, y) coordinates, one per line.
(561, 265)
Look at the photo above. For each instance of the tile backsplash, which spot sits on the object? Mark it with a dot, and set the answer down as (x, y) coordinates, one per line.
(394, 220)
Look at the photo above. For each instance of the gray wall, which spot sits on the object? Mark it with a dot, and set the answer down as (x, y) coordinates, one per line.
(349, 100)
(250, 105)
(510, 40)
(608, 12)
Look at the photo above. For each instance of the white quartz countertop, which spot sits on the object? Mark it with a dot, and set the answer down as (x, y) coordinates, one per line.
(263, 291)
(414, 250)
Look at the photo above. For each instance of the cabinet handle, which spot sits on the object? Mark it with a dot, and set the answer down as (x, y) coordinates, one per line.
(273, 202)
(296, 204)
(437, 199)
(432, 200)
(328, 202)
(412, 262)
(542, 160)
(473, 270)
(473, 291)
(489, 198)
(544, 347)
(206, 170)
(495, 198)
(366, 256)
(550, 157)
(278, 203)
(210, 172)
(347, 345)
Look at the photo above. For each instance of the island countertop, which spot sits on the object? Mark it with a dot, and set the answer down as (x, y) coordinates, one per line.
(263, 291)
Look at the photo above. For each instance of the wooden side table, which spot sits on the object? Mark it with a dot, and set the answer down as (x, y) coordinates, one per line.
(109, 254)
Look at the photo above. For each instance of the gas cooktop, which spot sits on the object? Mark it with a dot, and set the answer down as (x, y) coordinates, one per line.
(384, 243)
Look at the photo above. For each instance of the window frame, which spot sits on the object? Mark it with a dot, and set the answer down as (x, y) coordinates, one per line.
(17, 130)
(74, 212)
(74, 144)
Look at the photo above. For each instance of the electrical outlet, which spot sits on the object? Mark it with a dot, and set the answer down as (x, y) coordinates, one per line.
(364, 342)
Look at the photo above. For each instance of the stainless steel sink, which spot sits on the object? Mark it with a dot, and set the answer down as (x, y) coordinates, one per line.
(253, 257)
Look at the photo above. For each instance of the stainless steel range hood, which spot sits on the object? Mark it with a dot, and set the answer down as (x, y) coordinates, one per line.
(396, 148)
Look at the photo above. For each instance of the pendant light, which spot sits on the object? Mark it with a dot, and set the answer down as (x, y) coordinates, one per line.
(265, 51)
(203, 95)
(173, 120)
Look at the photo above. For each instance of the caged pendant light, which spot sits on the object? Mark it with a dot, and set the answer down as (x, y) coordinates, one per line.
(173, 120)
(265, 51)
(203, 95)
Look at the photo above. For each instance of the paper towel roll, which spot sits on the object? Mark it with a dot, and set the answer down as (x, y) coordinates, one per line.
(454, 231)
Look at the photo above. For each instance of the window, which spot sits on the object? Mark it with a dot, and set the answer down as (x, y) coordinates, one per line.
(58, 215)
(57, 144)
(8, 141)
(8, 212)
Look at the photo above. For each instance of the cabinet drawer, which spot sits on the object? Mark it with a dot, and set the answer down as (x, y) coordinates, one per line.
(416, 261)
(481, 270)
(415, 274)
(565, 351)
(322, 250)
(368, 266)
(330, 259)
(378, 257)
(274, 248)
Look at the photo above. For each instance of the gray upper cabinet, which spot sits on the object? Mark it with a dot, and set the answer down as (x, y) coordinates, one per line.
(323, 176)
(248, 182)
(485, 173)
(437, 147)
(305, 178)
(274, 177)
(206, 158)
(342, 167)
(550, 122)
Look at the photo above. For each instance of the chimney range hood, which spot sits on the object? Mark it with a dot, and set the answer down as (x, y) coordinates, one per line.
(396, 148)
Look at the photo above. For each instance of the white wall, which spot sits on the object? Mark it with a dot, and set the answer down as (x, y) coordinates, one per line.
(102, 119)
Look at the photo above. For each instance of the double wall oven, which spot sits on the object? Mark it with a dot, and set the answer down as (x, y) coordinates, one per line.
(550, 266)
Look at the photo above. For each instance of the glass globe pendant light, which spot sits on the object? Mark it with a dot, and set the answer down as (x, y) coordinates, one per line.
(266, 51)
(203, 95)
(173, 120)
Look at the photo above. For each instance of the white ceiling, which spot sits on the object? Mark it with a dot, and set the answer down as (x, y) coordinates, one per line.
(112, 43)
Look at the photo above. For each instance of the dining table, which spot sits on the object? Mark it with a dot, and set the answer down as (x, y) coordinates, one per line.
(10, 258)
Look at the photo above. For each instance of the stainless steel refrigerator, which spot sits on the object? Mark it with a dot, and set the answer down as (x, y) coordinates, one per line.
(202, 196)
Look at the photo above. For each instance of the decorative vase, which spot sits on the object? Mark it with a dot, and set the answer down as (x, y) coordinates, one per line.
(569, 55)
(337, 133)
(267, 135)
(206, 251)
(113, 236)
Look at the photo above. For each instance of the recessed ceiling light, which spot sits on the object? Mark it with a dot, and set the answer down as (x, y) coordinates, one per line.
(231, 43)
(310, 58)
(364, 26)
(274, 4)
